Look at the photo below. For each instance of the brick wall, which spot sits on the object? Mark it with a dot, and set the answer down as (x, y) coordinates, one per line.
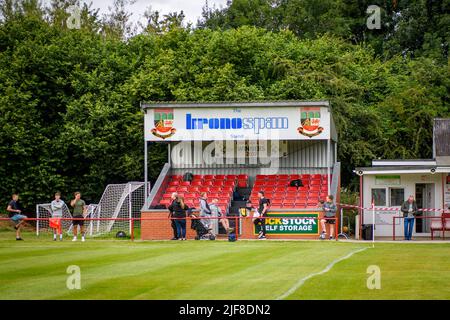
(159, 228)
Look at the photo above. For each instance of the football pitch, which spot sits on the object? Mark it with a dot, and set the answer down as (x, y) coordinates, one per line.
(121, 269)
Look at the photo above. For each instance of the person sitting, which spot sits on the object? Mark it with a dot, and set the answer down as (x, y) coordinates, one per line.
(217, 213)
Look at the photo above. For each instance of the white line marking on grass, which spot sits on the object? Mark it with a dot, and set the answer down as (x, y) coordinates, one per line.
(300, 282)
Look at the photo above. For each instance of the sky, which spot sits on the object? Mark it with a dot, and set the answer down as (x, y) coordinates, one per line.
(191, 8)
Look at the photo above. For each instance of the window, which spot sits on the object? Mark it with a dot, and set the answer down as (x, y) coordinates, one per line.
(379, 197)
(397, 197)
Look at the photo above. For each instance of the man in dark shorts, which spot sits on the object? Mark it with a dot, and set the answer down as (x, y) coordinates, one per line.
(329, 209)
(15, 214)
(263, 207)
(79, 209)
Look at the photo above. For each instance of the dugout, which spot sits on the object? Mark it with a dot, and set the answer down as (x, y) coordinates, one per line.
(390, 182)
(235, 149)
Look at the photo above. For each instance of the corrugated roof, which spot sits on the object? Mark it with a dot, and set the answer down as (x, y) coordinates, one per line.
(228, 104)
(441, 137)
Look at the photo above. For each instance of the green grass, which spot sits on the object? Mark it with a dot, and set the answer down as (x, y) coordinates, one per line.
(118, 269)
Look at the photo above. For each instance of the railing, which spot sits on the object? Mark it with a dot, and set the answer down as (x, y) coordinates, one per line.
(236, 219)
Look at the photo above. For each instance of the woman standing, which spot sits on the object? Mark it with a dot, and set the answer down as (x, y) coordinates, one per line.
(178, 207)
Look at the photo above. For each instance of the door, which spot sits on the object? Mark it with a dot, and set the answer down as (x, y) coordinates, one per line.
(425, 199)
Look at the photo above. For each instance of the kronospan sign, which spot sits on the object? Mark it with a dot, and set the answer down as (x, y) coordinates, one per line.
(280, 123)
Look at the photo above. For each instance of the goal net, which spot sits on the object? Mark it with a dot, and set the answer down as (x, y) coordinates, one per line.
(118, 204)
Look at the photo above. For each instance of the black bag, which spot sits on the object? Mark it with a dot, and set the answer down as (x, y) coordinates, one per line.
(296, 183)
(188, 177)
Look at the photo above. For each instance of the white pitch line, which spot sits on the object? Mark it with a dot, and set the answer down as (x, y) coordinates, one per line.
(300, 282)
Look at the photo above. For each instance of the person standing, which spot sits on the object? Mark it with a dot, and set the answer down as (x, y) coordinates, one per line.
(79, 210)
(409, 209)
(57, 213)
(172, 221)
(329, 209)
(263, 207)
(205, 210)
(15, 214)
(178, 207)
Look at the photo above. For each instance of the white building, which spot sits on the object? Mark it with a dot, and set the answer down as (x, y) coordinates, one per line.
(390, 182)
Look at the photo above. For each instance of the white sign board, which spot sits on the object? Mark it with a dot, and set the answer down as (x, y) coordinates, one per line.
(250, 123)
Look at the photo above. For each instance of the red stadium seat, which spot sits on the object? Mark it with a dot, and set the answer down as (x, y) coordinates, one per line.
(242, 183)
(278, 195)
(165, 202)
(185, 183)
(315, 182)
(197, 183)
(291, 196)
(171, 189)
(174, 183)
(294, 177)
(316, 177)
(176, 178)
(203, 189)
(260, 177)
(227, 189)
(259, 183)
(182, 189)
(242, 177)
(276, 201)
(193, 189)
(215, 189)
(214, 194)
(220, 177)
(230, 183)
(207, 183)
(208, 177)
(231, 177)
(271, 182)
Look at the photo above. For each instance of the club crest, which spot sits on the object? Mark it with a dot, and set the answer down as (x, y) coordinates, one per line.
(163, 120)
(310, 122)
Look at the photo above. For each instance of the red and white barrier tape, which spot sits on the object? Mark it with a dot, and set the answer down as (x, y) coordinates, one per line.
(343, 205)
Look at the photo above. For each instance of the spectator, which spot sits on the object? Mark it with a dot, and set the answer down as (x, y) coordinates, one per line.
(263, 207)
(216, 212)
(329, 209)
(409, 209)
(15, 214)
(79, 210)
(178, 207)
(172, 221)
(205, 210)
(57, 213)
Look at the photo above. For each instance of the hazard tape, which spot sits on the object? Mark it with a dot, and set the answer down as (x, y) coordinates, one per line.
(343, 205)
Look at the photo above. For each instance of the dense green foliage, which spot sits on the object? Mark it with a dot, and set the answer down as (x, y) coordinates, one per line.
(69, 99)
